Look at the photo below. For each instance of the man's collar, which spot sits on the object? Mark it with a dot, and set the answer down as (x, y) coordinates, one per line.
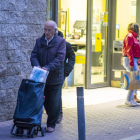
(49, 39)
(53, 41)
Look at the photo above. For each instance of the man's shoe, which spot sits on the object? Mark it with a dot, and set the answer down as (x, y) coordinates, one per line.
(136, 99)
(59, 118)
(130, 103)
(50, 129)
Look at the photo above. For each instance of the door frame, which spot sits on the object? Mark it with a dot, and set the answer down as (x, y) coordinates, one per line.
(110, 37)
(55, 10)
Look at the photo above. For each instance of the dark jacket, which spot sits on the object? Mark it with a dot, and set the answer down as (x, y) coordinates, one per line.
(52, 57)
(70, 55)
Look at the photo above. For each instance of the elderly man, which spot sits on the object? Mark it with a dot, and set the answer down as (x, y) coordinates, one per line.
(49, 54)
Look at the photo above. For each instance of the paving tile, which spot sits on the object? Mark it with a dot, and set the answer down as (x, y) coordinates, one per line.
(107, 120)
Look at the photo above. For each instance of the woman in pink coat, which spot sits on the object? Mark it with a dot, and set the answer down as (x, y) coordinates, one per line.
(131, 53)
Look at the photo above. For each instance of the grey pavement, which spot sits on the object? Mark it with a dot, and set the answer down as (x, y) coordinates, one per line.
(106, 117)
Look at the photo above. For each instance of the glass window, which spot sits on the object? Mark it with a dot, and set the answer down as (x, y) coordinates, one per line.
(49, 10)
(99, 41)
(124, 16)
(72, 23)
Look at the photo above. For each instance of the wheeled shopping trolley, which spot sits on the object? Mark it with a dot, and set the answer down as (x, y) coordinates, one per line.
(27, 129)
(28, 112)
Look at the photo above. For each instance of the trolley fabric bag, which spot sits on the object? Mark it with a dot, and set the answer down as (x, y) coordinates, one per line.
(132, 80)
(30, 102)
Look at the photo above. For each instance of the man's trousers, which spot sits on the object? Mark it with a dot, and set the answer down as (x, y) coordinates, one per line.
(52, 103)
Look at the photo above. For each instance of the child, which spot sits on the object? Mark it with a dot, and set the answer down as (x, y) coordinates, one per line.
(138, 62)
(135, 94)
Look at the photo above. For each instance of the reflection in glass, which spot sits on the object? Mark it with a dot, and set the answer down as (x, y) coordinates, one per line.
(121, 14)
(72, 23)
(99, 41)
(49, 10)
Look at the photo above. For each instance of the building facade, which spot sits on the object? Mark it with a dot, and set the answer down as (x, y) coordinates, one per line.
(21, 22)
(96, 29)
(93, 27)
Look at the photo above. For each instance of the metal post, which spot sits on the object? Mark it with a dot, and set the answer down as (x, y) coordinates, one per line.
(81, 114)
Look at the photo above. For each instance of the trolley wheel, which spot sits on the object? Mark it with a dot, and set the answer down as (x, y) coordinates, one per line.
(19, 131)
(43, 131)
(36, 131)
(28, 133)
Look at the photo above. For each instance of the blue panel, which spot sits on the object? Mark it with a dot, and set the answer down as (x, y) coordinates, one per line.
(137, 77)
(127, 79)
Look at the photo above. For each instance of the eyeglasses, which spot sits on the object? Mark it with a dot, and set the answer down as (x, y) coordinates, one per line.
(49, 30)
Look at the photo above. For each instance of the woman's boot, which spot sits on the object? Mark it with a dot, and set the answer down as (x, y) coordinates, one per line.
(136, 99)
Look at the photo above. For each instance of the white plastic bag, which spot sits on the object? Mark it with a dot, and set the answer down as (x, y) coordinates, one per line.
(39, 75)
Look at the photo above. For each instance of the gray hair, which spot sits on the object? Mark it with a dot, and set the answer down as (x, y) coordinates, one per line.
(56, 30)
(55, 26)
(52, 22)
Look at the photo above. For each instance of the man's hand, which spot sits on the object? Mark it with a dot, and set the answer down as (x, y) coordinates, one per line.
(66, 74)
(44, 68)
(131, 68)
(38, 66)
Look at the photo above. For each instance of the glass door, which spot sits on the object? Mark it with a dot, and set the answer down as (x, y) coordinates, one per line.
(121, 24)
(99, 41)
(97, 44)
(72, 23)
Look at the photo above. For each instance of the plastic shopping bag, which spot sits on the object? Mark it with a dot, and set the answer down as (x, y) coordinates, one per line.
(39, 75)
(132, 80)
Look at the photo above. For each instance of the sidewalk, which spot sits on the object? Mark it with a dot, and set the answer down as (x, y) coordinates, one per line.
(106, 116)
